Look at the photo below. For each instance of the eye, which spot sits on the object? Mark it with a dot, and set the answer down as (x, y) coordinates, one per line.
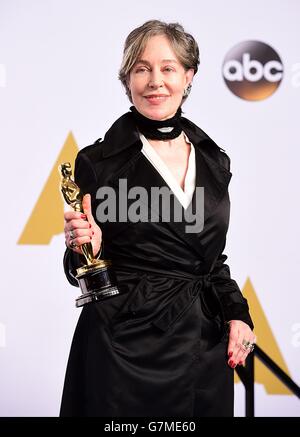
(140, 69)
(168, 69)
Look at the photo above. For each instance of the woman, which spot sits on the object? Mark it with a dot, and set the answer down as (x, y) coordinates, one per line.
(168, 343)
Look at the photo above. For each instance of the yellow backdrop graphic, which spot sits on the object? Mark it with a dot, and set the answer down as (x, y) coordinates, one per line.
(267, 342)
(46, 219)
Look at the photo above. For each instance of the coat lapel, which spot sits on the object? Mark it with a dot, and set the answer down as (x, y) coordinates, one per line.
(139, 172)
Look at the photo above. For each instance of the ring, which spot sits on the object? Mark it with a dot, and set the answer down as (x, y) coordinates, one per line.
(242, 346)
(248, 345)
(71, 233)
(73, 245)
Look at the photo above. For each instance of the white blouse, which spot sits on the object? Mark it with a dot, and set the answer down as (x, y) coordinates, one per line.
(183, 196)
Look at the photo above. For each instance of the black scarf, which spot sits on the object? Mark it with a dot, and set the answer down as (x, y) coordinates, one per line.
(158, 129)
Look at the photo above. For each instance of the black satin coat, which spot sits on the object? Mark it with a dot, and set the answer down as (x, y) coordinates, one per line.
(158, 348)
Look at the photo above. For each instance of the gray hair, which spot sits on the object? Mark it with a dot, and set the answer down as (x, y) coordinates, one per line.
(183, 44)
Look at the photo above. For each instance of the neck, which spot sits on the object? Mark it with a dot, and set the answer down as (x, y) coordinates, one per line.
(159, 130)
(168, 144)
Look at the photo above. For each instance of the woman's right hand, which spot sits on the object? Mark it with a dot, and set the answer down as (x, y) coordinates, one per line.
(82, 228)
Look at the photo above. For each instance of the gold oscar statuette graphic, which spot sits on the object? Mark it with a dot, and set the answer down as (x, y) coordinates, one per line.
(96, 278)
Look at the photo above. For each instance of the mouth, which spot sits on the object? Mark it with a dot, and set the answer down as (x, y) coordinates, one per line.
(156, 97)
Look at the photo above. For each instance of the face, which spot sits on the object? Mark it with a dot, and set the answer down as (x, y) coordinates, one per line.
(157, 81)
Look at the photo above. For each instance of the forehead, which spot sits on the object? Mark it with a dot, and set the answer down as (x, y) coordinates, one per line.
(158, 47)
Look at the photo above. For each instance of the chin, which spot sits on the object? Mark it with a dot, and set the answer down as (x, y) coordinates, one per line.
(157, 113)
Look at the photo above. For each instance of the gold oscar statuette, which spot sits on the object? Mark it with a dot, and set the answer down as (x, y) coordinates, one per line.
(96, 278)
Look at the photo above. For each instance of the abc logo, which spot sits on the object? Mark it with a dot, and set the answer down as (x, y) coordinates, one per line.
(252, 70)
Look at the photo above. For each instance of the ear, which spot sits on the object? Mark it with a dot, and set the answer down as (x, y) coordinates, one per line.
(189, 75)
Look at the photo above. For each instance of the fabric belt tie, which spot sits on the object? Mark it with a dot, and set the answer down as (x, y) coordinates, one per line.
(197, 286)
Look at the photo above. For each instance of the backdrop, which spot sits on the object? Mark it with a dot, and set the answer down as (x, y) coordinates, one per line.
(59, 91)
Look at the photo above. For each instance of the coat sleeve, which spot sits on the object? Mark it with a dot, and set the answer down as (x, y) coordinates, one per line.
(85, 177)
(233, 304)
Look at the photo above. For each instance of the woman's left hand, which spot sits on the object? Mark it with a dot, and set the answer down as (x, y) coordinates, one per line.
(241, 337)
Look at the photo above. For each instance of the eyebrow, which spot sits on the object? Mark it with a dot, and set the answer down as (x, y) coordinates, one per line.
(143, 61)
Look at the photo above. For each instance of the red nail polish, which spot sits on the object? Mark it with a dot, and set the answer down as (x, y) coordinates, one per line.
(90, 225)
(93, 232)
(230, 354)
(83, 216)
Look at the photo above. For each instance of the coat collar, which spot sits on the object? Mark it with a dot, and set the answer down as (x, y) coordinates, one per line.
(123, 134)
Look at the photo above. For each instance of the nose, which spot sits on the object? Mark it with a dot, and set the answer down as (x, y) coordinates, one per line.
(155, 80)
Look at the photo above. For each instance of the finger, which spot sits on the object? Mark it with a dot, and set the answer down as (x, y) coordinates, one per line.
(79, 241)
(242, 358)
(76, 249)
(76, 233)
(82, 240)
(247, 337)
(236, 350)
(233, 337)
(242, 354)
(71, 215)
(77, 224)
(87, 207)
(251, 340)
